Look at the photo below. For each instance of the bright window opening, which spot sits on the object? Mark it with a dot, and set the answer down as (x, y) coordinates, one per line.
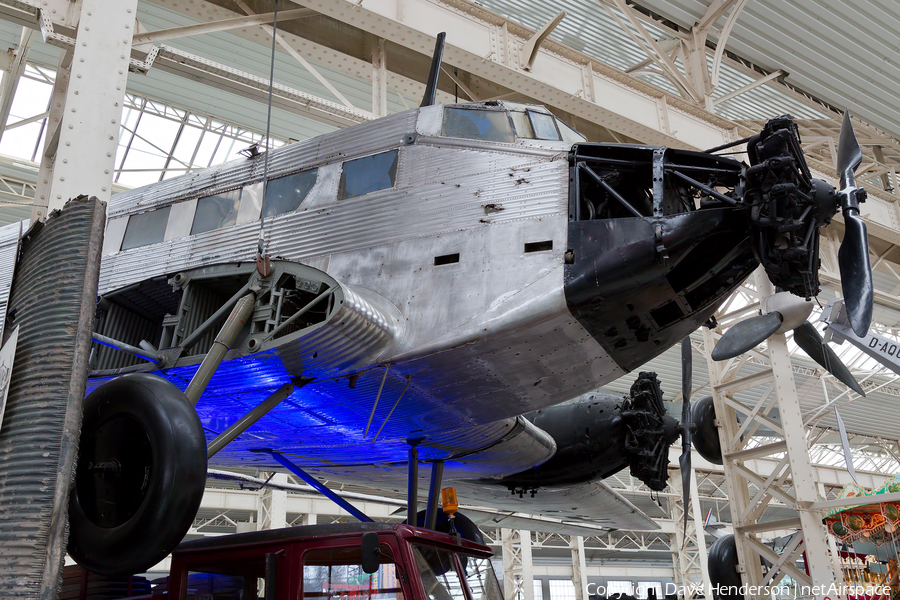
(543, 125)
(286, 194)
(146, 228)
(366, 175)
(216, 212)
(477, 124)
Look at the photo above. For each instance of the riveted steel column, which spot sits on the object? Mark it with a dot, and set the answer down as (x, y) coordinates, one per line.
(802, 476)
(83, 128)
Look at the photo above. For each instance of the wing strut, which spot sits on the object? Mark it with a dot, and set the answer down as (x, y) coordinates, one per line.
(437, 474)
(284, 462)
(412, 482)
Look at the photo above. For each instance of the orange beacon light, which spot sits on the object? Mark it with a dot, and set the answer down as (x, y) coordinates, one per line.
(448, 500)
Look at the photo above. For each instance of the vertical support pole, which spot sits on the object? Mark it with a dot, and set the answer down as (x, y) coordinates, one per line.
(512, 563)
(579, 567)
(702, 556)
(412, 482)
(803, 478)
(689, 557)
(272, 505)
(379, 78)
(820, 569)
(437, 473)
(726, 417)
(80, 147)
(527, 565)
(518, 570)
(832, 545)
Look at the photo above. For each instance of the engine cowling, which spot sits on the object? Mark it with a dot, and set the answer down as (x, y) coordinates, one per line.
(600, 434)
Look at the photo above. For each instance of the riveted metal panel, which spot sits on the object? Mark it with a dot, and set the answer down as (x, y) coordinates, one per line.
(38, 441)
(349, 143)
(462, 191)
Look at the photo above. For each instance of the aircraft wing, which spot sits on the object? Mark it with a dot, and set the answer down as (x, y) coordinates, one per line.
(588, 504)
(481, 516)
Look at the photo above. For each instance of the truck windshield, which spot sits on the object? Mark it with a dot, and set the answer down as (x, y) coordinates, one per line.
(336, 574)
(481, 579)
(442, 582)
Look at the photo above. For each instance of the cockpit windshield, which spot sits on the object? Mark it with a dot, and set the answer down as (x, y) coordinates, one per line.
(521, 121)
(477, 124)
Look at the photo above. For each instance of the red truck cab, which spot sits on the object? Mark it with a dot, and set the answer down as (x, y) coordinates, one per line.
(326, 562)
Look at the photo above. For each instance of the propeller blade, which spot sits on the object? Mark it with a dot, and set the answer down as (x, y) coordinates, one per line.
(845, 443)
(746, 335)
(684, 461)
(687, 373)
(808, 338)
(853, 257)
(849, 153)
(856, 273)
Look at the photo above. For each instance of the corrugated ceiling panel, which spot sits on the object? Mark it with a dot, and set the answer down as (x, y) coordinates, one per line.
(844, 52)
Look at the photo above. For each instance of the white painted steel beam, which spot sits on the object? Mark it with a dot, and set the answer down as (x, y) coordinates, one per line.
(160, 35)
(579, 567)
(625, 572)
(251, 86)
(484, 45)
(87, 108)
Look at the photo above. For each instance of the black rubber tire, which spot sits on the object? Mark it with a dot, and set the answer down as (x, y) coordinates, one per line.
(127, 522)
(705, 437)
(723, 574)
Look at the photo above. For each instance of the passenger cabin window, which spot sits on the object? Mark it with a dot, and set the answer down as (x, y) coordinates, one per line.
(369, 174)
(477, 124)
(285, 194)
(543, 125)
(146, 228)
(216, 212)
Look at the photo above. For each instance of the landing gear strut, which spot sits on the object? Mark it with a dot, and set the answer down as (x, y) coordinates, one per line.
(142, 463)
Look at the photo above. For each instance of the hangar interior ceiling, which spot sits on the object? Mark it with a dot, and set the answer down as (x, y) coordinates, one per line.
(203, 98)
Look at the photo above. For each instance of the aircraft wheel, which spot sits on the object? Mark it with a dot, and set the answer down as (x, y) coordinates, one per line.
(706, 436)
(723, 562)
(140, 475)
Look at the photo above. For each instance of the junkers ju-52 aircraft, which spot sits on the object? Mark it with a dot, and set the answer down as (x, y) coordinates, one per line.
(423, 281)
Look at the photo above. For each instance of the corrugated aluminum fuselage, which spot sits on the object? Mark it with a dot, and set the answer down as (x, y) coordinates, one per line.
(486, 338)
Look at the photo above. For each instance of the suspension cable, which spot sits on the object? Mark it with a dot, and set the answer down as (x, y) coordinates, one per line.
(262, 243)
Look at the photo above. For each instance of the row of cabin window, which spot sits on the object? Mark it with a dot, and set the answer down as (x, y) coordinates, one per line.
(283, 195)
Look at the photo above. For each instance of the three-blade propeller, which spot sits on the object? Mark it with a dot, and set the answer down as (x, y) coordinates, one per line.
(856, 280)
